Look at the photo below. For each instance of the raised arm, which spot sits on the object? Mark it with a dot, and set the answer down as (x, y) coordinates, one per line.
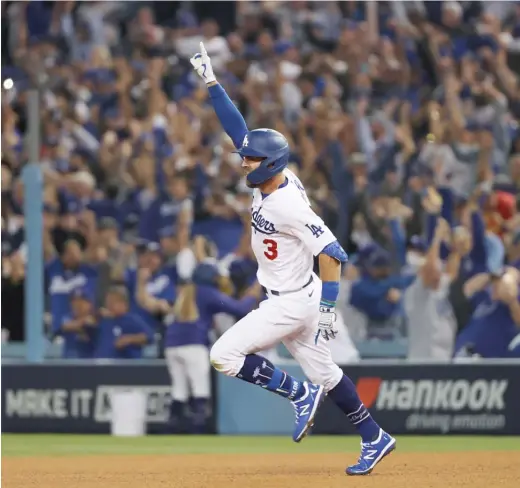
(228, 114)
(145, 299)
(476, 284)
(433, 254)
(218, 302)
(478, 229)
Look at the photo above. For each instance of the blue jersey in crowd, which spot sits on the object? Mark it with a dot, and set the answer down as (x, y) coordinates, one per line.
(60, 284)
(110, 329)
(225, 233)
(161, 214)
(210, 302)
(369, 295)
(490, 329)
(161, 285)
(78, 345)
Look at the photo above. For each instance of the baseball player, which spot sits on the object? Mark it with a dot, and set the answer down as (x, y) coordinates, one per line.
(299, 310)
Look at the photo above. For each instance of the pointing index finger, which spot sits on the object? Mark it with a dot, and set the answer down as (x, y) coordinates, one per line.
(203, 49)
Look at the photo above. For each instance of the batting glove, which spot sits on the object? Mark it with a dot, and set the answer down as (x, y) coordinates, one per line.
(202, 65)
(326, 324)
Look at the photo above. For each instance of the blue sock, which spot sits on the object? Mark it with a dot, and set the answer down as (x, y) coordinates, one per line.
(345, 396)
(260, 371)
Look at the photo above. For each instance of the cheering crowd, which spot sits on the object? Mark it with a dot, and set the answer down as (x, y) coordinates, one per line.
(402, 118)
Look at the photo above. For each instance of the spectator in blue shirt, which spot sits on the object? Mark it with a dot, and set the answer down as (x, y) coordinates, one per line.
(422, 110)
(378, 292)
(79, 328)
(172, 208)
(189, 322)
(120, 334)
(158, 277)
(494, 328)
(64, 274)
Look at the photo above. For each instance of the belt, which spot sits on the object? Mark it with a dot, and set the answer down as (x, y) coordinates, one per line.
(279, 293)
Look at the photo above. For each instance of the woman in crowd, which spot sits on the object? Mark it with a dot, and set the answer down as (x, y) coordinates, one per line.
(189, 321)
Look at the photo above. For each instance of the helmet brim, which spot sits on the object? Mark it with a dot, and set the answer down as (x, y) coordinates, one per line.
(249, 152)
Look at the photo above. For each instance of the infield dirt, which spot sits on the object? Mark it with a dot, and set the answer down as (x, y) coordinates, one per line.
(413, 470)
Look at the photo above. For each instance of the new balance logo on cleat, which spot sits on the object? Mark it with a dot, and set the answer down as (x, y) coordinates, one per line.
(370, 454)
(304, 410)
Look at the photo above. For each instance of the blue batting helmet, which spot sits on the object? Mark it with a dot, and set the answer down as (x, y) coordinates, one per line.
(268, 144)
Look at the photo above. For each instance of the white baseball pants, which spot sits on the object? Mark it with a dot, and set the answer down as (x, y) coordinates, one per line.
(190, 371)
(291, 319)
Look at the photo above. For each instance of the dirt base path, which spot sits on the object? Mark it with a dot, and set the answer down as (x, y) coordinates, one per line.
(414, 470)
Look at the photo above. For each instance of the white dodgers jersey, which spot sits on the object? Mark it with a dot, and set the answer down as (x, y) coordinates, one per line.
(286, 234)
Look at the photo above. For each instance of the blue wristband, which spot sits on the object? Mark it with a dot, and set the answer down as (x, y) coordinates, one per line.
(329, 294)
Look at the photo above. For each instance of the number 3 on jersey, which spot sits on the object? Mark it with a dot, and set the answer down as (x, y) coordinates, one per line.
(272, 249)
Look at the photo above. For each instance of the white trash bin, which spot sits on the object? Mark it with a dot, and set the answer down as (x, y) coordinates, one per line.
(128, 413)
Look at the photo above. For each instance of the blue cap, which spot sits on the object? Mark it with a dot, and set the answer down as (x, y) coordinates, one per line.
(282, 46)
(73, 206)
(144, 245)
(379, 259)
(82, 293)
(418, 243)
(205, 274)
(372, 256)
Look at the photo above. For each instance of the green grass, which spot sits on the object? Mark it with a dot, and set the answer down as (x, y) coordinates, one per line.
(76, 445)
